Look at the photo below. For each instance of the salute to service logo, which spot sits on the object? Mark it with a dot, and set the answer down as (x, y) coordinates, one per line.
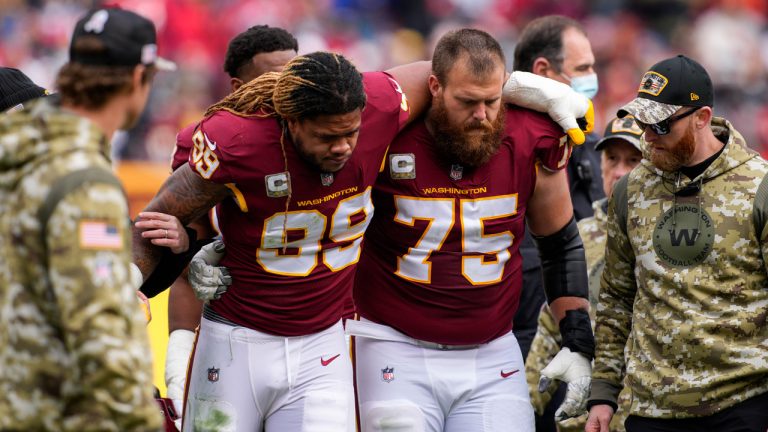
(653, 83)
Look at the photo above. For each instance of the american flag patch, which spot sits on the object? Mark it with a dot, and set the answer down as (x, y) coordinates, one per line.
(100, 235)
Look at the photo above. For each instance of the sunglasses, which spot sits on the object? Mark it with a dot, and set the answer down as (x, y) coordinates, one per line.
(663, 127)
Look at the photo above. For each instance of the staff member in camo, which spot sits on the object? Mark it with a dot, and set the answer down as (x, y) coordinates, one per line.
(685, 284)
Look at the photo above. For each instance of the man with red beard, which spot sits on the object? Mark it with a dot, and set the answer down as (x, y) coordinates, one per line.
(439, 278)
(685, 269)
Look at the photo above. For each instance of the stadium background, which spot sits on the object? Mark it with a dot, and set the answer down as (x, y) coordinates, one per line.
(729, 37)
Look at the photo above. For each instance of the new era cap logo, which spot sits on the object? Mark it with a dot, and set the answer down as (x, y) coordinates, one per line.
(694, 97)
(653, 83)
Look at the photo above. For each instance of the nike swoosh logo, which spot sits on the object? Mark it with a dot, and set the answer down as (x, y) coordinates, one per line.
(397, 86)
(211, 145)
(509, 374)
(327, 362)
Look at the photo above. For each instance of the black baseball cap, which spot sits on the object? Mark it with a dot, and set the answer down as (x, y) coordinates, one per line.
(667, 86)
(129, 40)
(621, 129)
(16, 88)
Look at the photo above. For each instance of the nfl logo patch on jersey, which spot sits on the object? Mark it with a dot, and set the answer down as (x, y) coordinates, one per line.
(278, 185)
(457, 172)
(388, 374)
(213, 374)
(326, 178)
(402, 166)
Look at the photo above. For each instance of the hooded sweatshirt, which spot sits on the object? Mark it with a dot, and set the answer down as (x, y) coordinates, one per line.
(73, 342)
(685, 281)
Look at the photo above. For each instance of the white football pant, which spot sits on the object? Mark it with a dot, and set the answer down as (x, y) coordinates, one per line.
(406, 385)
(247, 381)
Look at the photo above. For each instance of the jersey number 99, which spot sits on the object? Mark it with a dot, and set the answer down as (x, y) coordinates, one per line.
(348, 224)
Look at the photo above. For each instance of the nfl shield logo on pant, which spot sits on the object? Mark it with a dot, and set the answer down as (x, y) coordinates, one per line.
(213, 374)
(388, 374)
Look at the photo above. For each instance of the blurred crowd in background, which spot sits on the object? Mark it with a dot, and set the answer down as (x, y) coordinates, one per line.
(729, 37)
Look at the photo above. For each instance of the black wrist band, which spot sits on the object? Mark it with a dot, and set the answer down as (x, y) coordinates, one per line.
(171, 265)
(576, 330)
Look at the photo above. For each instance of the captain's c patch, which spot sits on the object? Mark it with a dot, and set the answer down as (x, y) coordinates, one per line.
(402, 166)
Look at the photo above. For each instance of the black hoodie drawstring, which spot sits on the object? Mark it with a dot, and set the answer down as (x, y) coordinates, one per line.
(694, 188)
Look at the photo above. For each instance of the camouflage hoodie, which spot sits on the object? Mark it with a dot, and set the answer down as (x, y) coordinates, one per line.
(73, 343)
(685, 274)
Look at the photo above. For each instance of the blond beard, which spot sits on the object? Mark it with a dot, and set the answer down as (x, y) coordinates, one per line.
(678, 155)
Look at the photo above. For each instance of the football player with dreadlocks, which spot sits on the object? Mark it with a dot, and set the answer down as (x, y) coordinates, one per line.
(250, 54)
(272, 153)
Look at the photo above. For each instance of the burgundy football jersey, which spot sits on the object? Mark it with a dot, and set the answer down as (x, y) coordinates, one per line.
(441, 260)
(183, 146)
(180, 157)
(292, 272)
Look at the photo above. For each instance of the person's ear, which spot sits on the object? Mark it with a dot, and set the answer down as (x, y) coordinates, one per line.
(541, 66)
(137, 78)
(235, 83)
(434, 85)
(703, 117)
(293, 126)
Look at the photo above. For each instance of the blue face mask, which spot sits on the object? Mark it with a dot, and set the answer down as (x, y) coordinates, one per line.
(585, 84)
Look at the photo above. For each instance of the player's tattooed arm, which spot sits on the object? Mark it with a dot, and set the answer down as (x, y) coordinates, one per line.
(185, 195)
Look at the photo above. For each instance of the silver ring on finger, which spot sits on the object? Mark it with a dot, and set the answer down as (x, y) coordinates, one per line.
(166, 233)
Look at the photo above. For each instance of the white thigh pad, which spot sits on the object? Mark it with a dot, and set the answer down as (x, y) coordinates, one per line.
(392, 416)
(211, 415)
(506, 414)
(328, 411)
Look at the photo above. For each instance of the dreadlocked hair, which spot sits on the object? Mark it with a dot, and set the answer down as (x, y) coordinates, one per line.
(312, 85)
(252, 99)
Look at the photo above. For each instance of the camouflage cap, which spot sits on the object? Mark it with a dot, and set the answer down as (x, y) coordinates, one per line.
(621, 129)
(667, 86)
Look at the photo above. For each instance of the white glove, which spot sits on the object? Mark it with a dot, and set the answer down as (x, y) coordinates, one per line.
(209, 281)
(136, 277)
(180, 345)
(558, 100)
(574, 369)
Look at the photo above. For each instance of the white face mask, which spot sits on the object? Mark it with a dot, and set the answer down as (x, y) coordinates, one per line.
(584, 84)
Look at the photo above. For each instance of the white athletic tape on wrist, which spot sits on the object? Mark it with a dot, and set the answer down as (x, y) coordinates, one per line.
(180, 344)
